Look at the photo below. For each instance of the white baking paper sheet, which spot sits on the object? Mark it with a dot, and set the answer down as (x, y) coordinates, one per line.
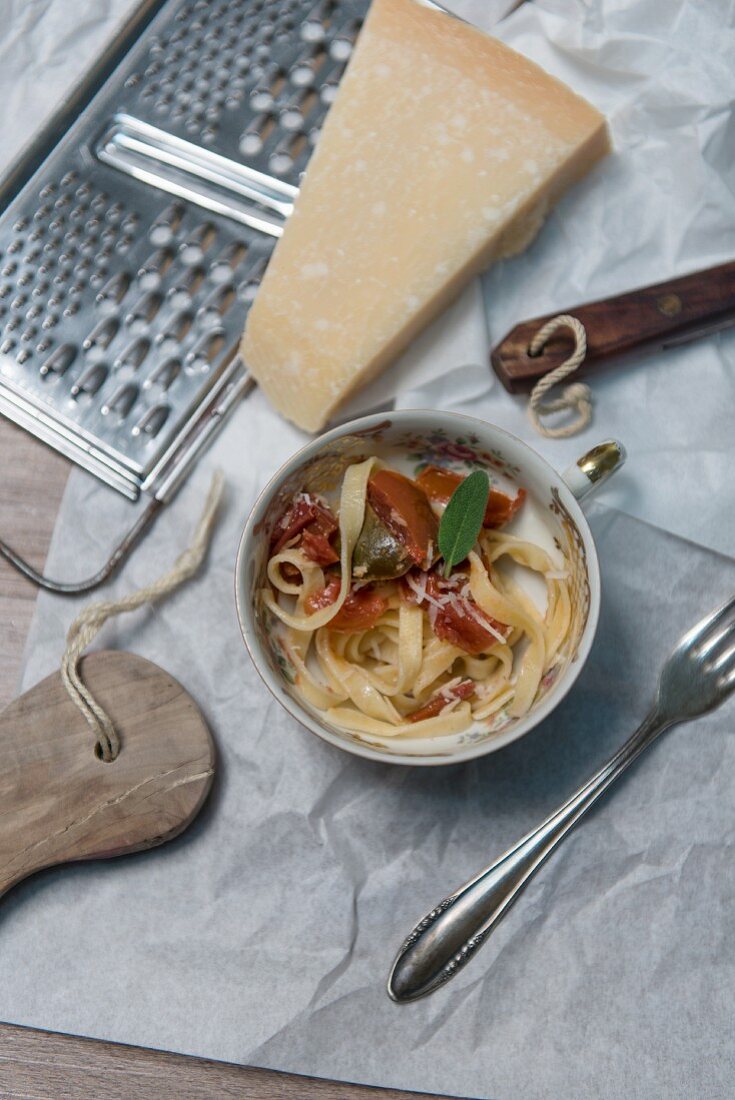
(264, 935)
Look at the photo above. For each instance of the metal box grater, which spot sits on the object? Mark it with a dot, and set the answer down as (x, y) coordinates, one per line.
(136, 228)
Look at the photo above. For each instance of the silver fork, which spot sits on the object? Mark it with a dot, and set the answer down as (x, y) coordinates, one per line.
(696, 678)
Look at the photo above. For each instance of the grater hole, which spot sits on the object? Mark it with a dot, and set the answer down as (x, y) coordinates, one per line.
(121, 401)
(328, 92)
(175, 332)
(341, 46)
(285, 154)
(192, 250)
(131, 357)
(230, 258)
(59, 361)
(270, 82)
(256, 134)
(203, 354)
(181, 294)
(304, 70)
(295, 111)
(101, 337)
(166, 224)
(249, 287)
(113, 292)
(163, 376)
(143, 311)
(150, 275)
(152, 421)
(90, 381)
(216, 306)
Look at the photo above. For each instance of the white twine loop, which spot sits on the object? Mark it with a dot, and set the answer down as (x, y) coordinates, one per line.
(93, 617)
(576, 396)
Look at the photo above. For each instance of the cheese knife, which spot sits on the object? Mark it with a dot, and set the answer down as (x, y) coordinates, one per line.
(652, 318)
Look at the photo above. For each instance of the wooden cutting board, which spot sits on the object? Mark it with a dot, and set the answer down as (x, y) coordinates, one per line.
(60, 803)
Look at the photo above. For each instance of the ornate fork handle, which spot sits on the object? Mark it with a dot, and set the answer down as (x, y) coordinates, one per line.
(450, 934)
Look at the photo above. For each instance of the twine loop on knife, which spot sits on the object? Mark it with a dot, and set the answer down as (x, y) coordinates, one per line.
(93, 617)
(576, 396)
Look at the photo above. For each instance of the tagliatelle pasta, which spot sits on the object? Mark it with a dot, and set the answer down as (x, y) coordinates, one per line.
(382, 641)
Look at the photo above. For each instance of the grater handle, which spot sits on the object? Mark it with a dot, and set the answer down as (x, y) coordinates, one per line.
(201, 434)
(113, 563)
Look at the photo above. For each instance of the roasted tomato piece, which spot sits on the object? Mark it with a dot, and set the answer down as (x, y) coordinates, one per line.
(404, 508)
(442, 698)
(315, 522)
(361, 609)
(439, 484)
(318, 548)
(324, 597)
(454, 615)
(501, 508)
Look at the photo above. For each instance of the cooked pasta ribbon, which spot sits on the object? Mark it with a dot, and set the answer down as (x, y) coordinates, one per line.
(370, 681)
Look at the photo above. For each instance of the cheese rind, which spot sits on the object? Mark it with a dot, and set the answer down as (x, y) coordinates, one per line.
(442, 152)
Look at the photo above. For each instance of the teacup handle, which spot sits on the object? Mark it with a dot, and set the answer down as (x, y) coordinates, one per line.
(594, 467)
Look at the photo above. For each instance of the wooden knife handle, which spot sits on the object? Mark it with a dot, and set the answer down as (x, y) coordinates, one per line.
(653, 317)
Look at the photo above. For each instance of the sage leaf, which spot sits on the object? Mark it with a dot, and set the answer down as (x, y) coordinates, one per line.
(460, 525)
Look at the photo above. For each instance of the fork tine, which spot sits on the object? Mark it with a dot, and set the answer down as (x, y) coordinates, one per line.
(703, 629)
(725, 661)
(727, 683)
(715, 642)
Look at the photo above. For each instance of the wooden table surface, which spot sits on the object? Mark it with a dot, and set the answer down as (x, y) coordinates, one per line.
(41, 1065)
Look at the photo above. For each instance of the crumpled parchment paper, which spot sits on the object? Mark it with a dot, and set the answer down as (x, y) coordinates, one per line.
(265, 933)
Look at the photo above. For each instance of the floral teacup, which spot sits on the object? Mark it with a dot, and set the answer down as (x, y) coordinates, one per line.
(419, 438)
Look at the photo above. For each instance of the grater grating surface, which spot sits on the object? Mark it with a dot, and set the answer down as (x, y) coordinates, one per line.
(129, 258)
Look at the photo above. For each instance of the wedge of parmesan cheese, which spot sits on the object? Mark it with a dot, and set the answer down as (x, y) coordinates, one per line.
(443, 151)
